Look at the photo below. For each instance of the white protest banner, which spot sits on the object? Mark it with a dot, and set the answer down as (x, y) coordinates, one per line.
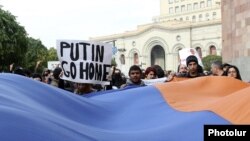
(53, 64)
(85, 61)
(154, 81)
(185, 52)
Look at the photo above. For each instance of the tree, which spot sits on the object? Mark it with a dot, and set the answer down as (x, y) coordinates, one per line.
(36, 54)
(52, 54)
(13, 40)
(208, 60)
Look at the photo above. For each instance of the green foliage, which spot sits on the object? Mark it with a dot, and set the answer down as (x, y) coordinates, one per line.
(16, 47)
(13, 40)
(36, 53)
(113, 62)
(52, 54)
(208, 60)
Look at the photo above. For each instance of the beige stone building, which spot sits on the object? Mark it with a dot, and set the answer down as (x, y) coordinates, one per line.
(236, 35)
(181, 24)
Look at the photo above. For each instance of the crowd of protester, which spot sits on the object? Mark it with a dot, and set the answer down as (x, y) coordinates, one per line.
(136, 76)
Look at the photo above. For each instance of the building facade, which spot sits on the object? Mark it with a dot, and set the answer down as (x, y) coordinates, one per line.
(235, 33)
(181, 24)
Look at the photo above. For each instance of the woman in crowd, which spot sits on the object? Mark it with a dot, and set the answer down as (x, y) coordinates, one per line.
(182, 68)
(150, 73)
(233, 71)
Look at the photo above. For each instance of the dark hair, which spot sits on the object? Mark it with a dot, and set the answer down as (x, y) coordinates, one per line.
(117, 80)
(237, 71)
(19, 70)
(37, 75)
(200, 69)
(191, 58)
(57, 72)
(46, 72)
(159, 71)
(225, 65)
(134, 67)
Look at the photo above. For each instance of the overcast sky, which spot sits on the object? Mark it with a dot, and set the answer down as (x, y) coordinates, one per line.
(49, 20)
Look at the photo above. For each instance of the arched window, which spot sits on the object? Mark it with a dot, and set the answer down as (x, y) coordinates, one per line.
(212, 50)
(214, 15)
(177, 9)
(196, 5)
(209, 3)
(189, 7)
(158, 56)
(199, 51)
(200, 17)
(202, 4)
(207, 16)
(171, 10)
(122, 59)
(194, 19)
(136, 59)
(183, 8)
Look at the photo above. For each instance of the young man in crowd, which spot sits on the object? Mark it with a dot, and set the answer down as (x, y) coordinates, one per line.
(194, 70)
(135, 74)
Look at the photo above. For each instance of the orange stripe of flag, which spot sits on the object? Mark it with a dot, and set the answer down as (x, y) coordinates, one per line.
(225, 96)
